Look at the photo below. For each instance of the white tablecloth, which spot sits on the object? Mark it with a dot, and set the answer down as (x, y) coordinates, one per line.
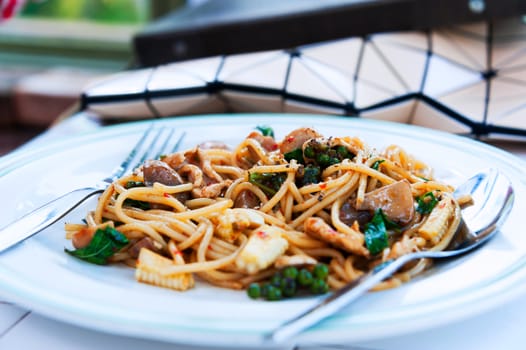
(500, 328)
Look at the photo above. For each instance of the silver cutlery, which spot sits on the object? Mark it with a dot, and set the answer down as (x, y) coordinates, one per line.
(493, 197)
(153, 143)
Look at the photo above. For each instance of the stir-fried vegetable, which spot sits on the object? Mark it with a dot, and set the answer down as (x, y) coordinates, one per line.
(297, 154)
(323, 155)
(311, 175)
(132, 202)
(128, 202)
(103, 245)
(376, 165)
(132, 184)
(290, 281)
(375, 233)
(426, 203)
(265, 130)
(268, 182)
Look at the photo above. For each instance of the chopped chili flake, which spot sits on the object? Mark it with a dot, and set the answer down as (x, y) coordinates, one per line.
(323, 185)
(166, 195)
(290, 138)
(274, 146)
(175, 251)
(261, 234)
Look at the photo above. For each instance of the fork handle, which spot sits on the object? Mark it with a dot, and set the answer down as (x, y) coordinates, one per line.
(337, 300)
(42, 217)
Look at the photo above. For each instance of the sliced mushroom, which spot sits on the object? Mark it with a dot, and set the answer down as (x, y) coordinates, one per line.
(349, 214)
(395, 200)
(159, 171)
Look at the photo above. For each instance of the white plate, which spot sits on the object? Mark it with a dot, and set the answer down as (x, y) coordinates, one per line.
(39, 275)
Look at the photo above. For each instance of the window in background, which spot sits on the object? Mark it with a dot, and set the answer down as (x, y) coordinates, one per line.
(50, 50)
(84, 33)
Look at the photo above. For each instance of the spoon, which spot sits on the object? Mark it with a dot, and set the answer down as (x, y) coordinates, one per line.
(492, 195)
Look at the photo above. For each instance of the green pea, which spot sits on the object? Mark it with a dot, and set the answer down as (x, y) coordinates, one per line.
(290, 272)
(288, 287)
(311, 175)
(264, 289)
(319, 286)
(343, 152)
(320, 271)
(309, 152)
(275, 280)
(333, 161)
(323, 159)
(304, 277)
(274, 293)
(254, 290)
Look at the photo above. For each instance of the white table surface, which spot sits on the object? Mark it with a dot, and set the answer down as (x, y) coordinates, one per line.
(500, 328)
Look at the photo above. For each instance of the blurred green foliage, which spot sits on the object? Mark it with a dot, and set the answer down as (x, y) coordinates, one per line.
(107, 11)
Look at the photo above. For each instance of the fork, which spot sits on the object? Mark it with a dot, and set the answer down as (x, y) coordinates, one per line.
(49, 213)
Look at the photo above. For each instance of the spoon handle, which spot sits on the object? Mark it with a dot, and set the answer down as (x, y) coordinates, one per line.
(337, 300)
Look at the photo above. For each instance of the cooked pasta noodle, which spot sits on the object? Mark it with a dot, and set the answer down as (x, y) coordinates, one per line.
(233, 217)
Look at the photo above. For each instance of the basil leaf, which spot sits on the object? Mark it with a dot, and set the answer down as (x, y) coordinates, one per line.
(426, 203)
(103, 245)
(375, 233)
(265, 130)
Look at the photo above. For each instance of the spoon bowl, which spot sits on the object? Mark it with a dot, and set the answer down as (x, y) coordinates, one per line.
(493, 198)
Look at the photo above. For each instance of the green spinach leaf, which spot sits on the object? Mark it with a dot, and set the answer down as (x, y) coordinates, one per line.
(375, 233)
(376, 165)
(103, 245)
(426, 203)
(265, 130)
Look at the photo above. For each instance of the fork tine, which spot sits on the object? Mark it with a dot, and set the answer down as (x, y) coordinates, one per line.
(165, 144)
(125, 165)
(178, 143)
(161, 145)
(149, 150)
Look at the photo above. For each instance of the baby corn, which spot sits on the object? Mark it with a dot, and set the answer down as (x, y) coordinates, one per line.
(437, 222)
(148, 266)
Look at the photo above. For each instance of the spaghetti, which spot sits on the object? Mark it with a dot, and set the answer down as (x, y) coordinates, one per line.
(234, 217)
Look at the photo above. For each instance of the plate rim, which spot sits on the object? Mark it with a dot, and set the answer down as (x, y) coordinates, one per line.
(12, 162)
